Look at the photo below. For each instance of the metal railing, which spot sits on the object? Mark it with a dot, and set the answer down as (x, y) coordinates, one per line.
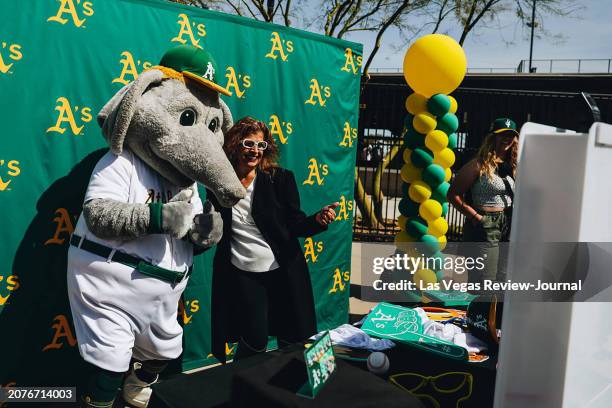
(567, 66)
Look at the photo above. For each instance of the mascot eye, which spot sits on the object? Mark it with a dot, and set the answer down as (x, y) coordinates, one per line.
(214, 124)
(188, 117)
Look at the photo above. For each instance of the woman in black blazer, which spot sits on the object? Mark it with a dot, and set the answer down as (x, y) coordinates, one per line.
(261, 284)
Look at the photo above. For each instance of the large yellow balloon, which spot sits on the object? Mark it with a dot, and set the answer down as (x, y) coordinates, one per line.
(419, 191)
(434, 64)
(424, 276)
(438, 227)
(424, 122)
(430, 210)
(445, 158)
(409, 173)
(416, 103)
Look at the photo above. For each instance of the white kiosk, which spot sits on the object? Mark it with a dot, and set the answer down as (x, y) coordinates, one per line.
(559, 354)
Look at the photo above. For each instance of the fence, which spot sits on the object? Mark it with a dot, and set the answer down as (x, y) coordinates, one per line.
(378, 183)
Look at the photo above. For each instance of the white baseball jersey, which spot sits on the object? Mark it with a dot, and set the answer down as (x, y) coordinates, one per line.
(118, 312)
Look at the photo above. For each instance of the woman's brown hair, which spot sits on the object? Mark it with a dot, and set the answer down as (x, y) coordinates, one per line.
(487, 158)
(244, 128)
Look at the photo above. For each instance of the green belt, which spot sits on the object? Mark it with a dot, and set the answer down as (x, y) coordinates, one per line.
(143, 267)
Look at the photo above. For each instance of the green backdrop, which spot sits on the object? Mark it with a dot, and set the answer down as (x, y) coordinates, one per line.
(60, 61)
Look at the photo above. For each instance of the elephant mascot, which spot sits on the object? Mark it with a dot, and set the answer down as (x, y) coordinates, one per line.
(132, 250)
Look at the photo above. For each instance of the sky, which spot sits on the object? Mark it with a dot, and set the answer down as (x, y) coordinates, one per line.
(588, 36)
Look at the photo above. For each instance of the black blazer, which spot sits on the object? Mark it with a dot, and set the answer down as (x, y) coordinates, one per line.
(276, 211)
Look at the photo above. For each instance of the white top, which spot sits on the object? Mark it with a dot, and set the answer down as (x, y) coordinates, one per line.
(249, 249)
(127, 179)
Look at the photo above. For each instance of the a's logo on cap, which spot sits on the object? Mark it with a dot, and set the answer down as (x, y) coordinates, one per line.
(508, 123)
(210, 72)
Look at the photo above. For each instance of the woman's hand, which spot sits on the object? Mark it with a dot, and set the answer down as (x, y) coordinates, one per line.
(476, 219)
(327, 215)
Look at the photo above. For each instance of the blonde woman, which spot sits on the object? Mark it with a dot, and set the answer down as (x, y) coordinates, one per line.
(483, 191)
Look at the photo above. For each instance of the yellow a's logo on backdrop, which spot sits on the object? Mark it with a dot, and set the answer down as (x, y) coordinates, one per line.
(8, 284)
(340, 280)
(186, 29)
(349, 134)
(13, 171)
(315, 170)
(63, 229)
(9, 53)
(316, 92)
(312, 249)
(235, 82)
(351, 63)
(345, 209)
(279, 46)
(62, 330)
(66, 114)
(69, 11)
(279, 128)
(187, 309)
(130, 68)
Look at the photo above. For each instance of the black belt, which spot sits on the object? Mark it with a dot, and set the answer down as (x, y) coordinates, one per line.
(142, 266)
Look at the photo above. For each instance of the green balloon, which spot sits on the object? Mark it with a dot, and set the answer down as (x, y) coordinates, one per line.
(433, 175)
(405, 187)
(444, 209)
(421, 157)
(437, 260)
(408, 208)
(413, 139)
(431, 244)
(440, 275)
(408, 122)
(448, 123)
(452, 141)
(416, 226)
(439, 104)
(439, 193)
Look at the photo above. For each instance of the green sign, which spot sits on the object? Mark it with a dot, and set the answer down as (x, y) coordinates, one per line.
(320, 365)
(404, 325)
(449, 298)
(61, 61)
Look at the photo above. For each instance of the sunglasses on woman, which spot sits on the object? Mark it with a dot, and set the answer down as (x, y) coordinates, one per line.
(250, 144)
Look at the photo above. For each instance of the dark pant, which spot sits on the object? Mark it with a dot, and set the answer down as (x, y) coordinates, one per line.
(261, 296)
(484, 239)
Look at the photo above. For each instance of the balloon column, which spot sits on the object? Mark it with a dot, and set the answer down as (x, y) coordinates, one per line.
(434, 66)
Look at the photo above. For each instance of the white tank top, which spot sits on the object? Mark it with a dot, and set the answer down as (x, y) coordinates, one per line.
(249, 249)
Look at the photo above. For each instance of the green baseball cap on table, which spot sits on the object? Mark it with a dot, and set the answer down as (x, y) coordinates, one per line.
(500, 125)
(193, 63)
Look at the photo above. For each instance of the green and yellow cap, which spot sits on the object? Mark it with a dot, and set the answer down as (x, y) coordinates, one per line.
(500, 125)
(188, 61)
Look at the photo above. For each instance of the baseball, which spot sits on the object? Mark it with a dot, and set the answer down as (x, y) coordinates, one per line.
(378, 363)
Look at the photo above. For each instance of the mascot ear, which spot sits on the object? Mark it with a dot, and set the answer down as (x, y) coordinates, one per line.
(228, 122)
(116, 115)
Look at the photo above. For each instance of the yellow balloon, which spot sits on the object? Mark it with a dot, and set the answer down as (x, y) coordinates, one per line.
(442, 241)
(453, 107)
(416, 103)
(436, 140)
(430, 210)
(434, 64)
(409, 173)
(424, 122)
(449, 174)
(437, 227)
(419, 191)
(445, 158)
(403, 241)
(424, 276)
(401, 222)
(413, 252)
(406, 155)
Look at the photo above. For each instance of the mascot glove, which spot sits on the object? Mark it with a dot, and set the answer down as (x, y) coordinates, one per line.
(177, 214)
(207, 228)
